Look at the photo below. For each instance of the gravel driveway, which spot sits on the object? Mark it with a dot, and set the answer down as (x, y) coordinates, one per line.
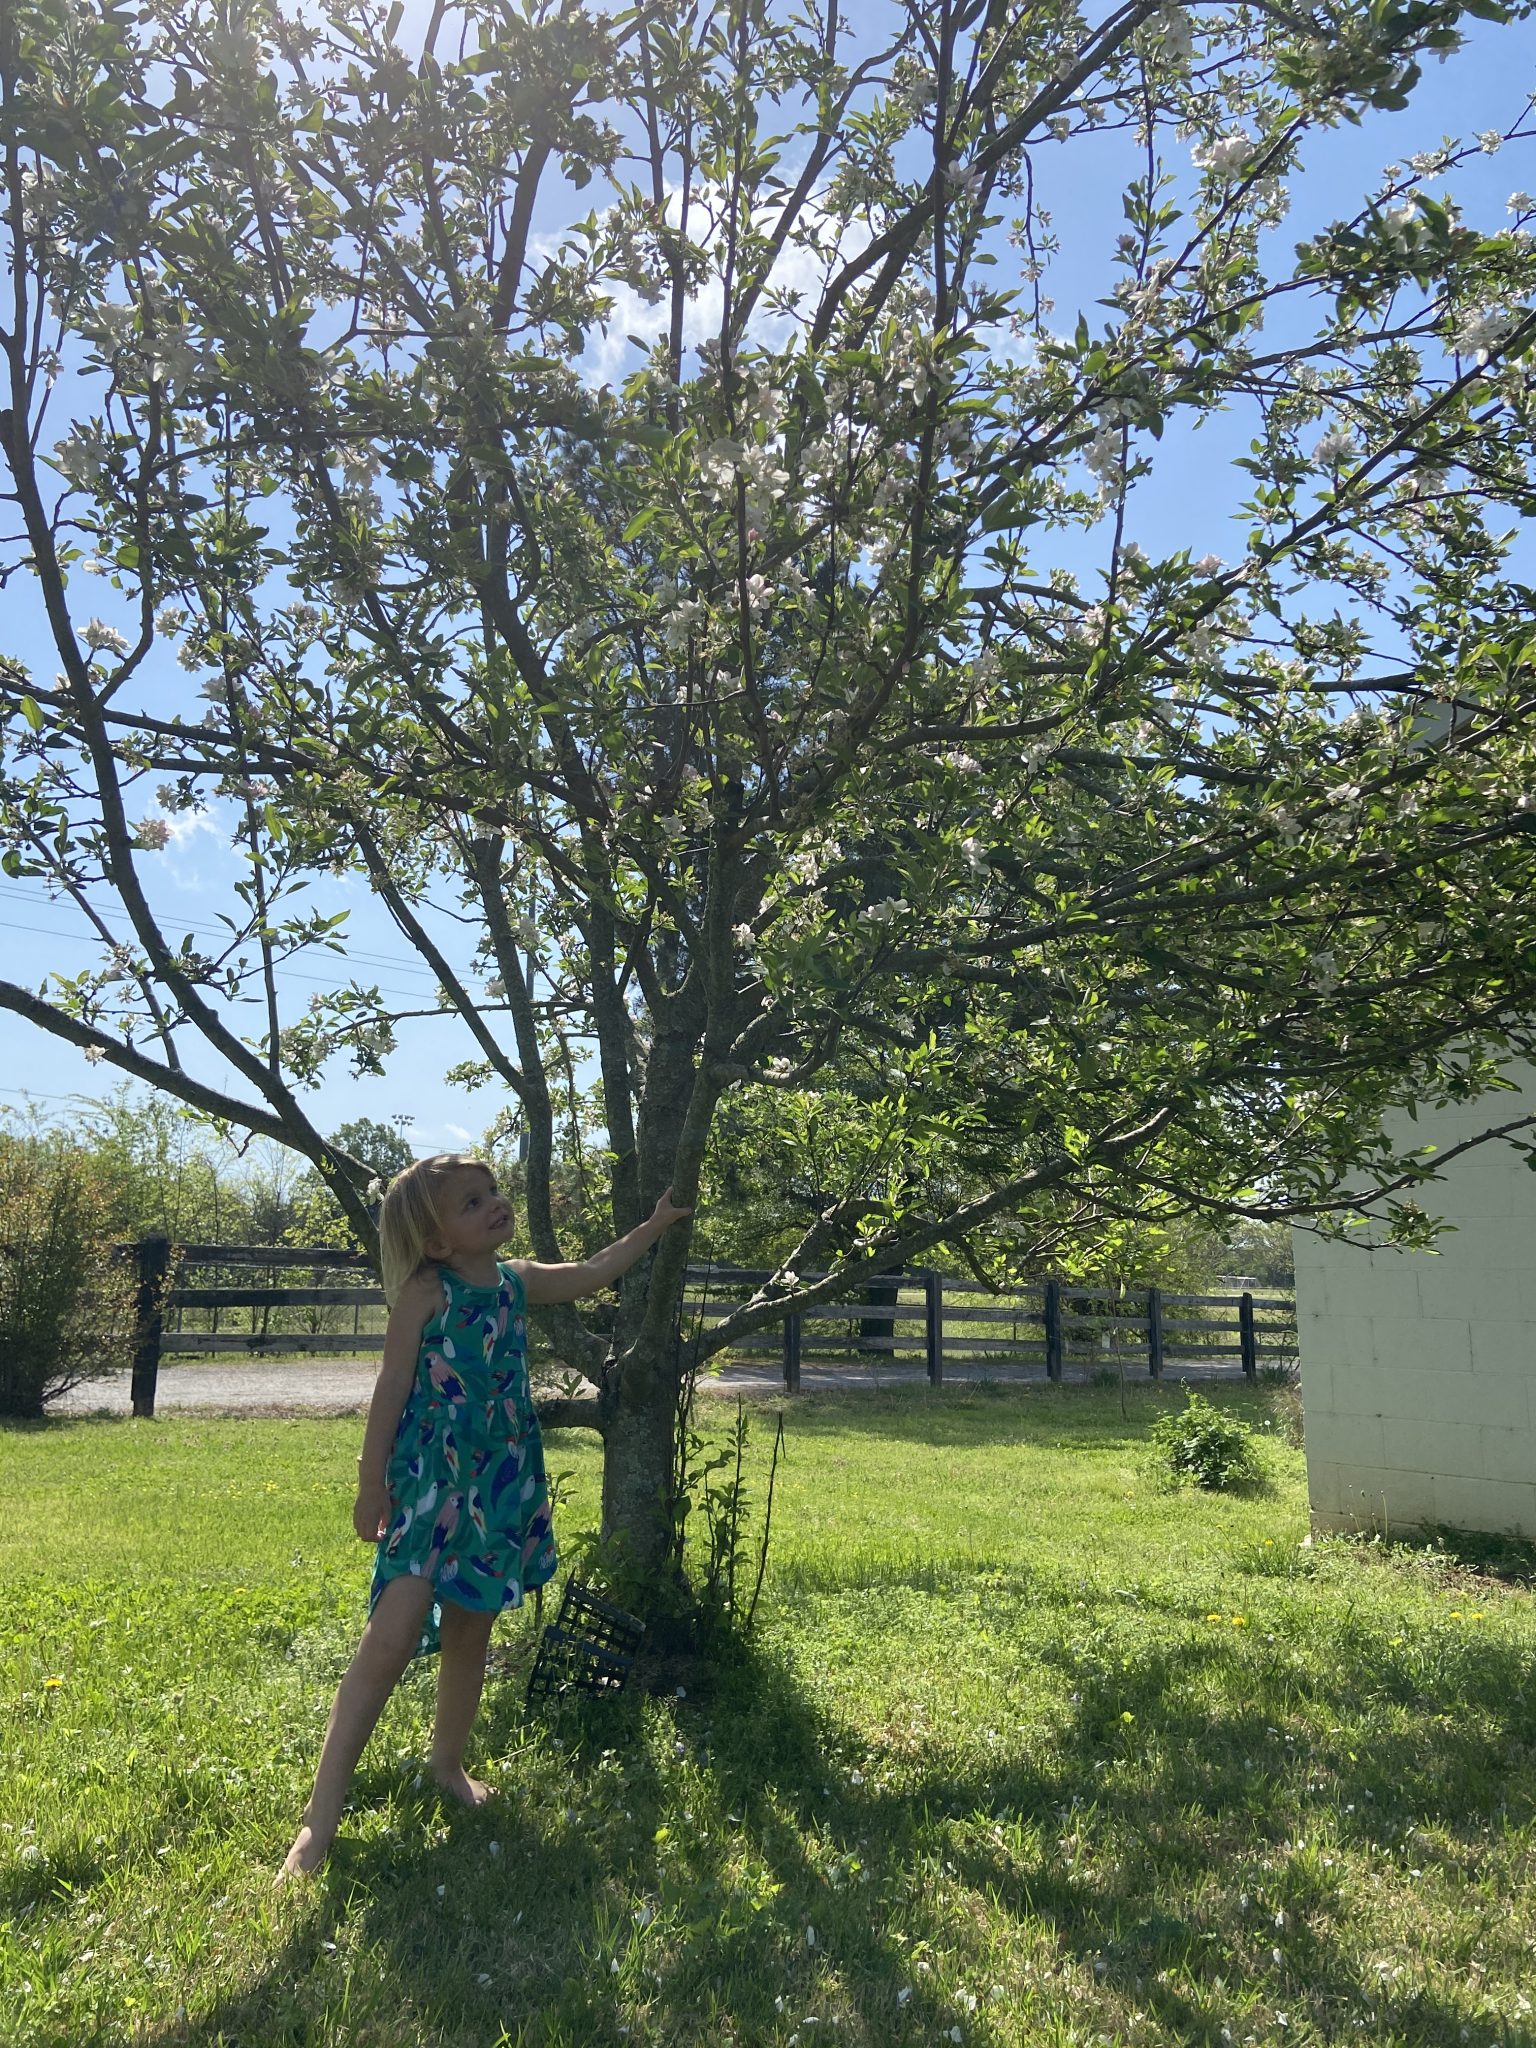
(342, 1386)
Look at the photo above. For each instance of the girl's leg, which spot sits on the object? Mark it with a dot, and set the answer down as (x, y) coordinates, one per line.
(466, 1636)
(393, 1630)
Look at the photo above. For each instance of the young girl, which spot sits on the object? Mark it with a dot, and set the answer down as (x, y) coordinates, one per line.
(451, 1480)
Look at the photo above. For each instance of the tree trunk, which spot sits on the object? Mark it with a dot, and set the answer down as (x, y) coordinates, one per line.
(877, 1333)
(637, 1463)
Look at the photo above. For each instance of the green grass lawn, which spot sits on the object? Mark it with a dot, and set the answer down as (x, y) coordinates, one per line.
(1025, 1750)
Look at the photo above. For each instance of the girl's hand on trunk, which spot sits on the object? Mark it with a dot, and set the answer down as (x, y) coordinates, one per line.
(667, 1212)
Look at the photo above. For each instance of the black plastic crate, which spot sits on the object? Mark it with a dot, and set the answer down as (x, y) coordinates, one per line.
(589, 1647)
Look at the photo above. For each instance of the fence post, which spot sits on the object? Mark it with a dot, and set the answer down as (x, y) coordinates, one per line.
(792, 1353)
(152, 1259)
(1155, 1332)
(1053, 1340)
(933, 1325)
(1247, 1336)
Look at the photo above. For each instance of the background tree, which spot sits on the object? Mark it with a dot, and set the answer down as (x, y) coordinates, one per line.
(805, 698)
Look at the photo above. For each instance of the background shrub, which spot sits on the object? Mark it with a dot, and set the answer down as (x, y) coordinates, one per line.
(66, 1306)
(1206, 1446)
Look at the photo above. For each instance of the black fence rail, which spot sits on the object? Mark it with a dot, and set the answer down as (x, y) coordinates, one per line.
(244, 1302)
(939, 1322)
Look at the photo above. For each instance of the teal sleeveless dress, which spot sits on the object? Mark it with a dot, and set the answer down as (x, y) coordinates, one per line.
(468, 1494)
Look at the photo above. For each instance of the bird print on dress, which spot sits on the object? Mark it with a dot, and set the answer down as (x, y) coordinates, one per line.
(469, 1495)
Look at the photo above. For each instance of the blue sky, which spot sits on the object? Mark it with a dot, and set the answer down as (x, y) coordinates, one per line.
(1188, 502)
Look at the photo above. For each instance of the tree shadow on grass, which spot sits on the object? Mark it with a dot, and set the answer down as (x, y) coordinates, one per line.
(1147, 1857)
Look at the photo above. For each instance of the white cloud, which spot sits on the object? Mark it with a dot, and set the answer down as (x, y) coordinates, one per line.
(610, 354)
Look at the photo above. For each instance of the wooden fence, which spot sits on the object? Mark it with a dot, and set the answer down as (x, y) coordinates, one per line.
(929, 1320)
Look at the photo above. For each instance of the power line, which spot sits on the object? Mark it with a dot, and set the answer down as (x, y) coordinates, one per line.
(394, 961)
(283, 973)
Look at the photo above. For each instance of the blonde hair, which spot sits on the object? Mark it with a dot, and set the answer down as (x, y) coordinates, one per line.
(410, 1218)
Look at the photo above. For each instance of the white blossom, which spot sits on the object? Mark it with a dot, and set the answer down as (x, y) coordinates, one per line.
(81, 457)
(527, 933)
(1490, 142)
(1206, 642)
(107, 639)
(1102, 455)
(1520, 202)
(1224, 154)
(109, 324)
(152, 834)
(885, 912)
(1337, 445)
(976, 855)
(679, 625)
(1209, 565)
(1479, 334)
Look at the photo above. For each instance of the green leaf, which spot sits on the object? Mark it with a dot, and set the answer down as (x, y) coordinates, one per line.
(31, 711)
(641, 521)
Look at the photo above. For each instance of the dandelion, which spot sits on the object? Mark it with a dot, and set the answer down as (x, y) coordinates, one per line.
(52, 1684)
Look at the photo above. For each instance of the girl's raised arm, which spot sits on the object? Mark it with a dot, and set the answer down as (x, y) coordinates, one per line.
(591, 1276)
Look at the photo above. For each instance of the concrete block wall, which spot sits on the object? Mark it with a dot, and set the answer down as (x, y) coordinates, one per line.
(1417, 1369)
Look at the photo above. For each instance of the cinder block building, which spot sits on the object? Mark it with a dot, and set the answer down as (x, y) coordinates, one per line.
(1418, 1368)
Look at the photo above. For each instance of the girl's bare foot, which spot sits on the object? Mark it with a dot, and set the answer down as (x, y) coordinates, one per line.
(306, 1855)
(458, 1784)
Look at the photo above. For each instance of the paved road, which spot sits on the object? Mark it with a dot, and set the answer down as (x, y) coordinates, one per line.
(342, 1386)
